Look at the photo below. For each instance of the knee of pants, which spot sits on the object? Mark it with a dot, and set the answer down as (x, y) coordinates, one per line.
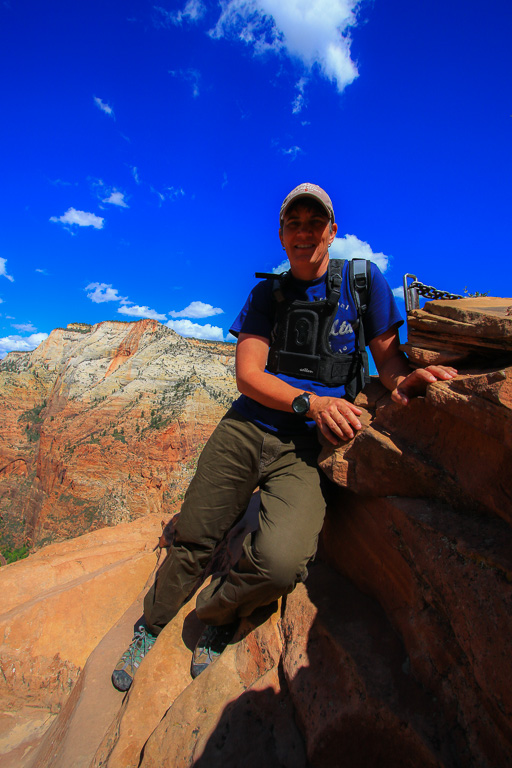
(280, 567)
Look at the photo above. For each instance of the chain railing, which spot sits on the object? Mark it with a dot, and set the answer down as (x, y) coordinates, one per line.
(415, 289)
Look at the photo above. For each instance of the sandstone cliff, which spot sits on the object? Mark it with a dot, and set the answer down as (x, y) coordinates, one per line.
(102, 424)
(394, 652)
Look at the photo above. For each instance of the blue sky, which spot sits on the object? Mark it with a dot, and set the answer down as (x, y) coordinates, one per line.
(147, 149)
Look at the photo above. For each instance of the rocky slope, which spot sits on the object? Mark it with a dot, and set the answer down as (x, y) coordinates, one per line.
(102, 424)
(394, 652)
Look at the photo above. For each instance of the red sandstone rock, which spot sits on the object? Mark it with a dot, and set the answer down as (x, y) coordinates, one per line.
(62, 601)
(347, 674)
(444, 580)
(236, 712)
(456, 332)
(455, 445)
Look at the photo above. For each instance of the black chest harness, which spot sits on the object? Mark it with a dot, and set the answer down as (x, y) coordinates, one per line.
(300, 347)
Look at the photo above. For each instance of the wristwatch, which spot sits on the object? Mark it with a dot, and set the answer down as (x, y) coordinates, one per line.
(300, 404)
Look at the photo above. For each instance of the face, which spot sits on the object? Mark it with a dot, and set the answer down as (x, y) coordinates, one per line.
(306, 236)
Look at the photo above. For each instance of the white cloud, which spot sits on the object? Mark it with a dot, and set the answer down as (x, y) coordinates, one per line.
(350, 247)
(193, 11)
(191, 76)
(299, 100)
(292, 152)
(315, 32)
(20, 344)
(3, 272)
(398, 292)
(160, 195)
(116, 198)
(137, 311)
(101, 292)
(42, 271)
(175, 192)
(135, 174)
(108, 194)
(196, 310)
(188, 328)
(63, 183)
(103, 106)
(80, 218)
(170, 193)
(282, 267)
(25, 327)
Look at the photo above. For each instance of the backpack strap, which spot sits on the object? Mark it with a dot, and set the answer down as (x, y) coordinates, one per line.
(278, 280)
(334, 278)
(359, 277)
(360, 271)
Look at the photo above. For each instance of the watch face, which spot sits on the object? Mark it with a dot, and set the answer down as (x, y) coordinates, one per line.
(301, 404)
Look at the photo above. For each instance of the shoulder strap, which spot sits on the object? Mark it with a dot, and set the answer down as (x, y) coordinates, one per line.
(359, 278)
(334, 278)
(278, 280)
(359, 282)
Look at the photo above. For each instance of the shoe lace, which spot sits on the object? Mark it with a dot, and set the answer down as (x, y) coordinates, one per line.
(142, 642)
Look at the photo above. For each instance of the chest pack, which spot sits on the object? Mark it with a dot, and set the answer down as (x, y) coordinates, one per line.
(300, 347)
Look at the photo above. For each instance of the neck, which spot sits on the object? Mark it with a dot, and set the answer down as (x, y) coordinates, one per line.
(309, 272)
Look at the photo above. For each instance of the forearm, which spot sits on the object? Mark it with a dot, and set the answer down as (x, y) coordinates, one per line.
(394, 370)
(268, 390)
(396, 374)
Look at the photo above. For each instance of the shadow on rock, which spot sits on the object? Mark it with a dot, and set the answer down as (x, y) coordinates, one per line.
(340, 695)
(257, 729)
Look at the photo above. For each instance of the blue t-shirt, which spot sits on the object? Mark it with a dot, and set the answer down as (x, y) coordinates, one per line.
(258, 317)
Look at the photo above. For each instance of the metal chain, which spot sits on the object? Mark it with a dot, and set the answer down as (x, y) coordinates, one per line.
(429, 292)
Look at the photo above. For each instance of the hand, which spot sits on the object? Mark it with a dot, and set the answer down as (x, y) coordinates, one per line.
(335, 417)
(416, 382)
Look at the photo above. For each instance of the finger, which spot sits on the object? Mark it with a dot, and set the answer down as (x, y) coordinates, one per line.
(351, 417)
(398, 397)
(417, 379)
(327, 433)
(442, 371)
(348, 411)
(340, 426)
(352, 407)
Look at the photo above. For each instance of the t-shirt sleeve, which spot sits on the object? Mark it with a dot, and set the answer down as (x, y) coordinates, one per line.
(256, 316)
(382, 313)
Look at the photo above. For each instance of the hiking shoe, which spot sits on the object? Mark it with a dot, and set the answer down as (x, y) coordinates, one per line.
(210, 646)
(143, 641)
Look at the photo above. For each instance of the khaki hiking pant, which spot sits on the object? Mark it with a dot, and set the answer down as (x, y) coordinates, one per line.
(237, 458)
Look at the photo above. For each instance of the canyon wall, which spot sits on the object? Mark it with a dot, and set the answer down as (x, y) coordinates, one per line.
(103, 424)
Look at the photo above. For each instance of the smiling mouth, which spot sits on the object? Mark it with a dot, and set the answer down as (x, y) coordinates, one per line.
(304, 247)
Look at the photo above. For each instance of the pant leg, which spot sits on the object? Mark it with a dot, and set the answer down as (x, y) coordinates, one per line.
(227, 474)
(276, 555)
